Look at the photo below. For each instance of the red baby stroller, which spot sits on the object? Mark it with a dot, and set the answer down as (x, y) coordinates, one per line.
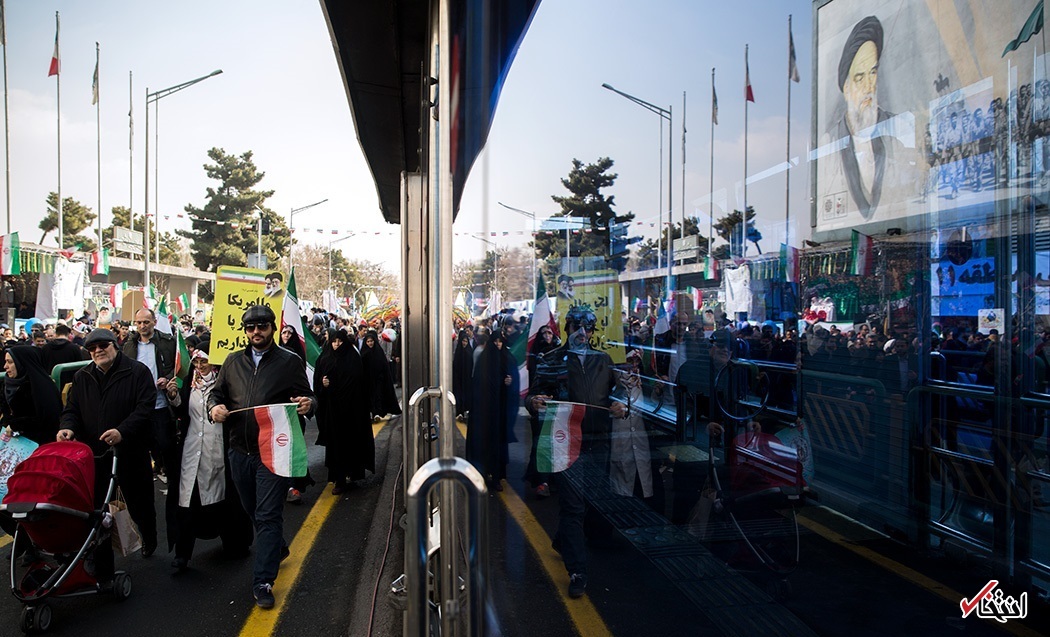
(50, 500)
(756, 516)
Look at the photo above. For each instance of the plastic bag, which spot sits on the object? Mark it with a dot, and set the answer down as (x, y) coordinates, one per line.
(125, 537)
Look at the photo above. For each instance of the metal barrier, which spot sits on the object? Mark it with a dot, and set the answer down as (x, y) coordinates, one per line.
(434, 472)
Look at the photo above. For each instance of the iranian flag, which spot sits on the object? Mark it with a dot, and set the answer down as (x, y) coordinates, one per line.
(282, 447)
(11, 262)
(183, 303)
(789, 262)
(862, 252)
(183, 365)
(559, 443)
(542, 314)
(290, 316)
(116, 294)
(100, 261)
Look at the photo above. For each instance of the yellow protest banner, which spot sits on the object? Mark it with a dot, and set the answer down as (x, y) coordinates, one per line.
(599, 289)
(237, 289)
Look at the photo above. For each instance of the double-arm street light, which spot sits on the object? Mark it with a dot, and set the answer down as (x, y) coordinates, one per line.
(291, 228)
(154, 98)
(664, 113)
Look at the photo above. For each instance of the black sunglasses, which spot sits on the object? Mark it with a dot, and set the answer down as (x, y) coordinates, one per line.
(94, 346)
(256, 327)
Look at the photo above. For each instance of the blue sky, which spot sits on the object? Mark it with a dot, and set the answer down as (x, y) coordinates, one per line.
(280, 95)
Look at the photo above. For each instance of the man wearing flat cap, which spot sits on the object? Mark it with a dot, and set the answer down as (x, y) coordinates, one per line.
(110, 405)
(261, 374)
(868, 162)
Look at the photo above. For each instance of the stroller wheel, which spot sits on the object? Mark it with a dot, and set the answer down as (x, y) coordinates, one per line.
(122, 586)
(36, 619)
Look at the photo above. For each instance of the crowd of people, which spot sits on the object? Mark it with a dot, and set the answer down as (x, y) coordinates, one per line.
(189, 435)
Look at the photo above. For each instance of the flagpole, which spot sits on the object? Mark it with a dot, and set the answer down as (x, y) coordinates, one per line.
(98, 144)
(58, 85)
(7, 128)
(131, 152)
(711, 214)
(683, 165)
(743, 220)
(787, 172)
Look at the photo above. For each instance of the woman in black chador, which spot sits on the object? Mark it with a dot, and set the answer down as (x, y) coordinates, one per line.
(29, 400)
(487, 432)
(381, 385)
(462, 373)
(343, 406)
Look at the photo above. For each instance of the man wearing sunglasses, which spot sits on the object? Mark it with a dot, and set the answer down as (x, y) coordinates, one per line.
(261, 374)
(111, 403)
(590, 381)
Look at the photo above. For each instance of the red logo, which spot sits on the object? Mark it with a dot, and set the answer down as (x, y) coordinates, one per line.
(559, 436)
(282, 440)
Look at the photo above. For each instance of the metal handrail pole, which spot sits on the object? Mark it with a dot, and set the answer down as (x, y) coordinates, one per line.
(434, 472)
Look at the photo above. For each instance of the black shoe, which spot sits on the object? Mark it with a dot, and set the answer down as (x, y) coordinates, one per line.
(263, 594)
(149, 548)
(180, 564)
(577, 585)
(285, 552)
(556, 545)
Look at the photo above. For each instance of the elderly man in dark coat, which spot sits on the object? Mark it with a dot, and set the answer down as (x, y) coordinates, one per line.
(110, 403)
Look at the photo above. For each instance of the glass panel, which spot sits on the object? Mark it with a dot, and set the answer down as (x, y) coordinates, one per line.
(822, 396)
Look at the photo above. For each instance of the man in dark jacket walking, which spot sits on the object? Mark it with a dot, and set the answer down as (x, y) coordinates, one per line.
(156, 350)
(590, 381)
(261, 374)
(110, 403)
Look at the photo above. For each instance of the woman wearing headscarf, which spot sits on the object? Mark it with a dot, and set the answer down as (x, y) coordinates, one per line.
(545, 342)
(291, 341)
(343, 405)
(487, 446)
(462, 373)
(383, 399)
(203, 497)
(30, 402)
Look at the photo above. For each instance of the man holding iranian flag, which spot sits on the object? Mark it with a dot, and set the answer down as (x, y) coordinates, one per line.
(575, 436)
(258, 396)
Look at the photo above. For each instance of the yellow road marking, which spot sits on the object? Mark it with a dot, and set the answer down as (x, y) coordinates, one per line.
(581, 611)
(261, 623)
(902, 571)
(4, 541)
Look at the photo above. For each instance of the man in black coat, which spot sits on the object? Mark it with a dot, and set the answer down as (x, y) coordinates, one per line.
(110, 403)
(261, 374)
(590, 381)
(61, 349)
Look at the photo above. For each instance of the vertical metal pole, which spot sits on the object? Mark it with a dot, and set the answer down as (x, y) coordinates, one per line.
(787, 157)
(291, 236)
(58, 84)
(156, 174)
(131, 152)
(98, 143)
(7, 129)
(660, 218)
(683, 164)
(259, 244)
(743, 216)
(145, 212)
(670, 201)
(711, 214)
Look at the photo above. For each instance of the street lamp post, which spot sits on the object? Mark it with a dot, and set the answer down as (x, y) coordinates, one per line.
(664, 113)
(154, 98)
(530, 215)
(330, 244)
(291, 219)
